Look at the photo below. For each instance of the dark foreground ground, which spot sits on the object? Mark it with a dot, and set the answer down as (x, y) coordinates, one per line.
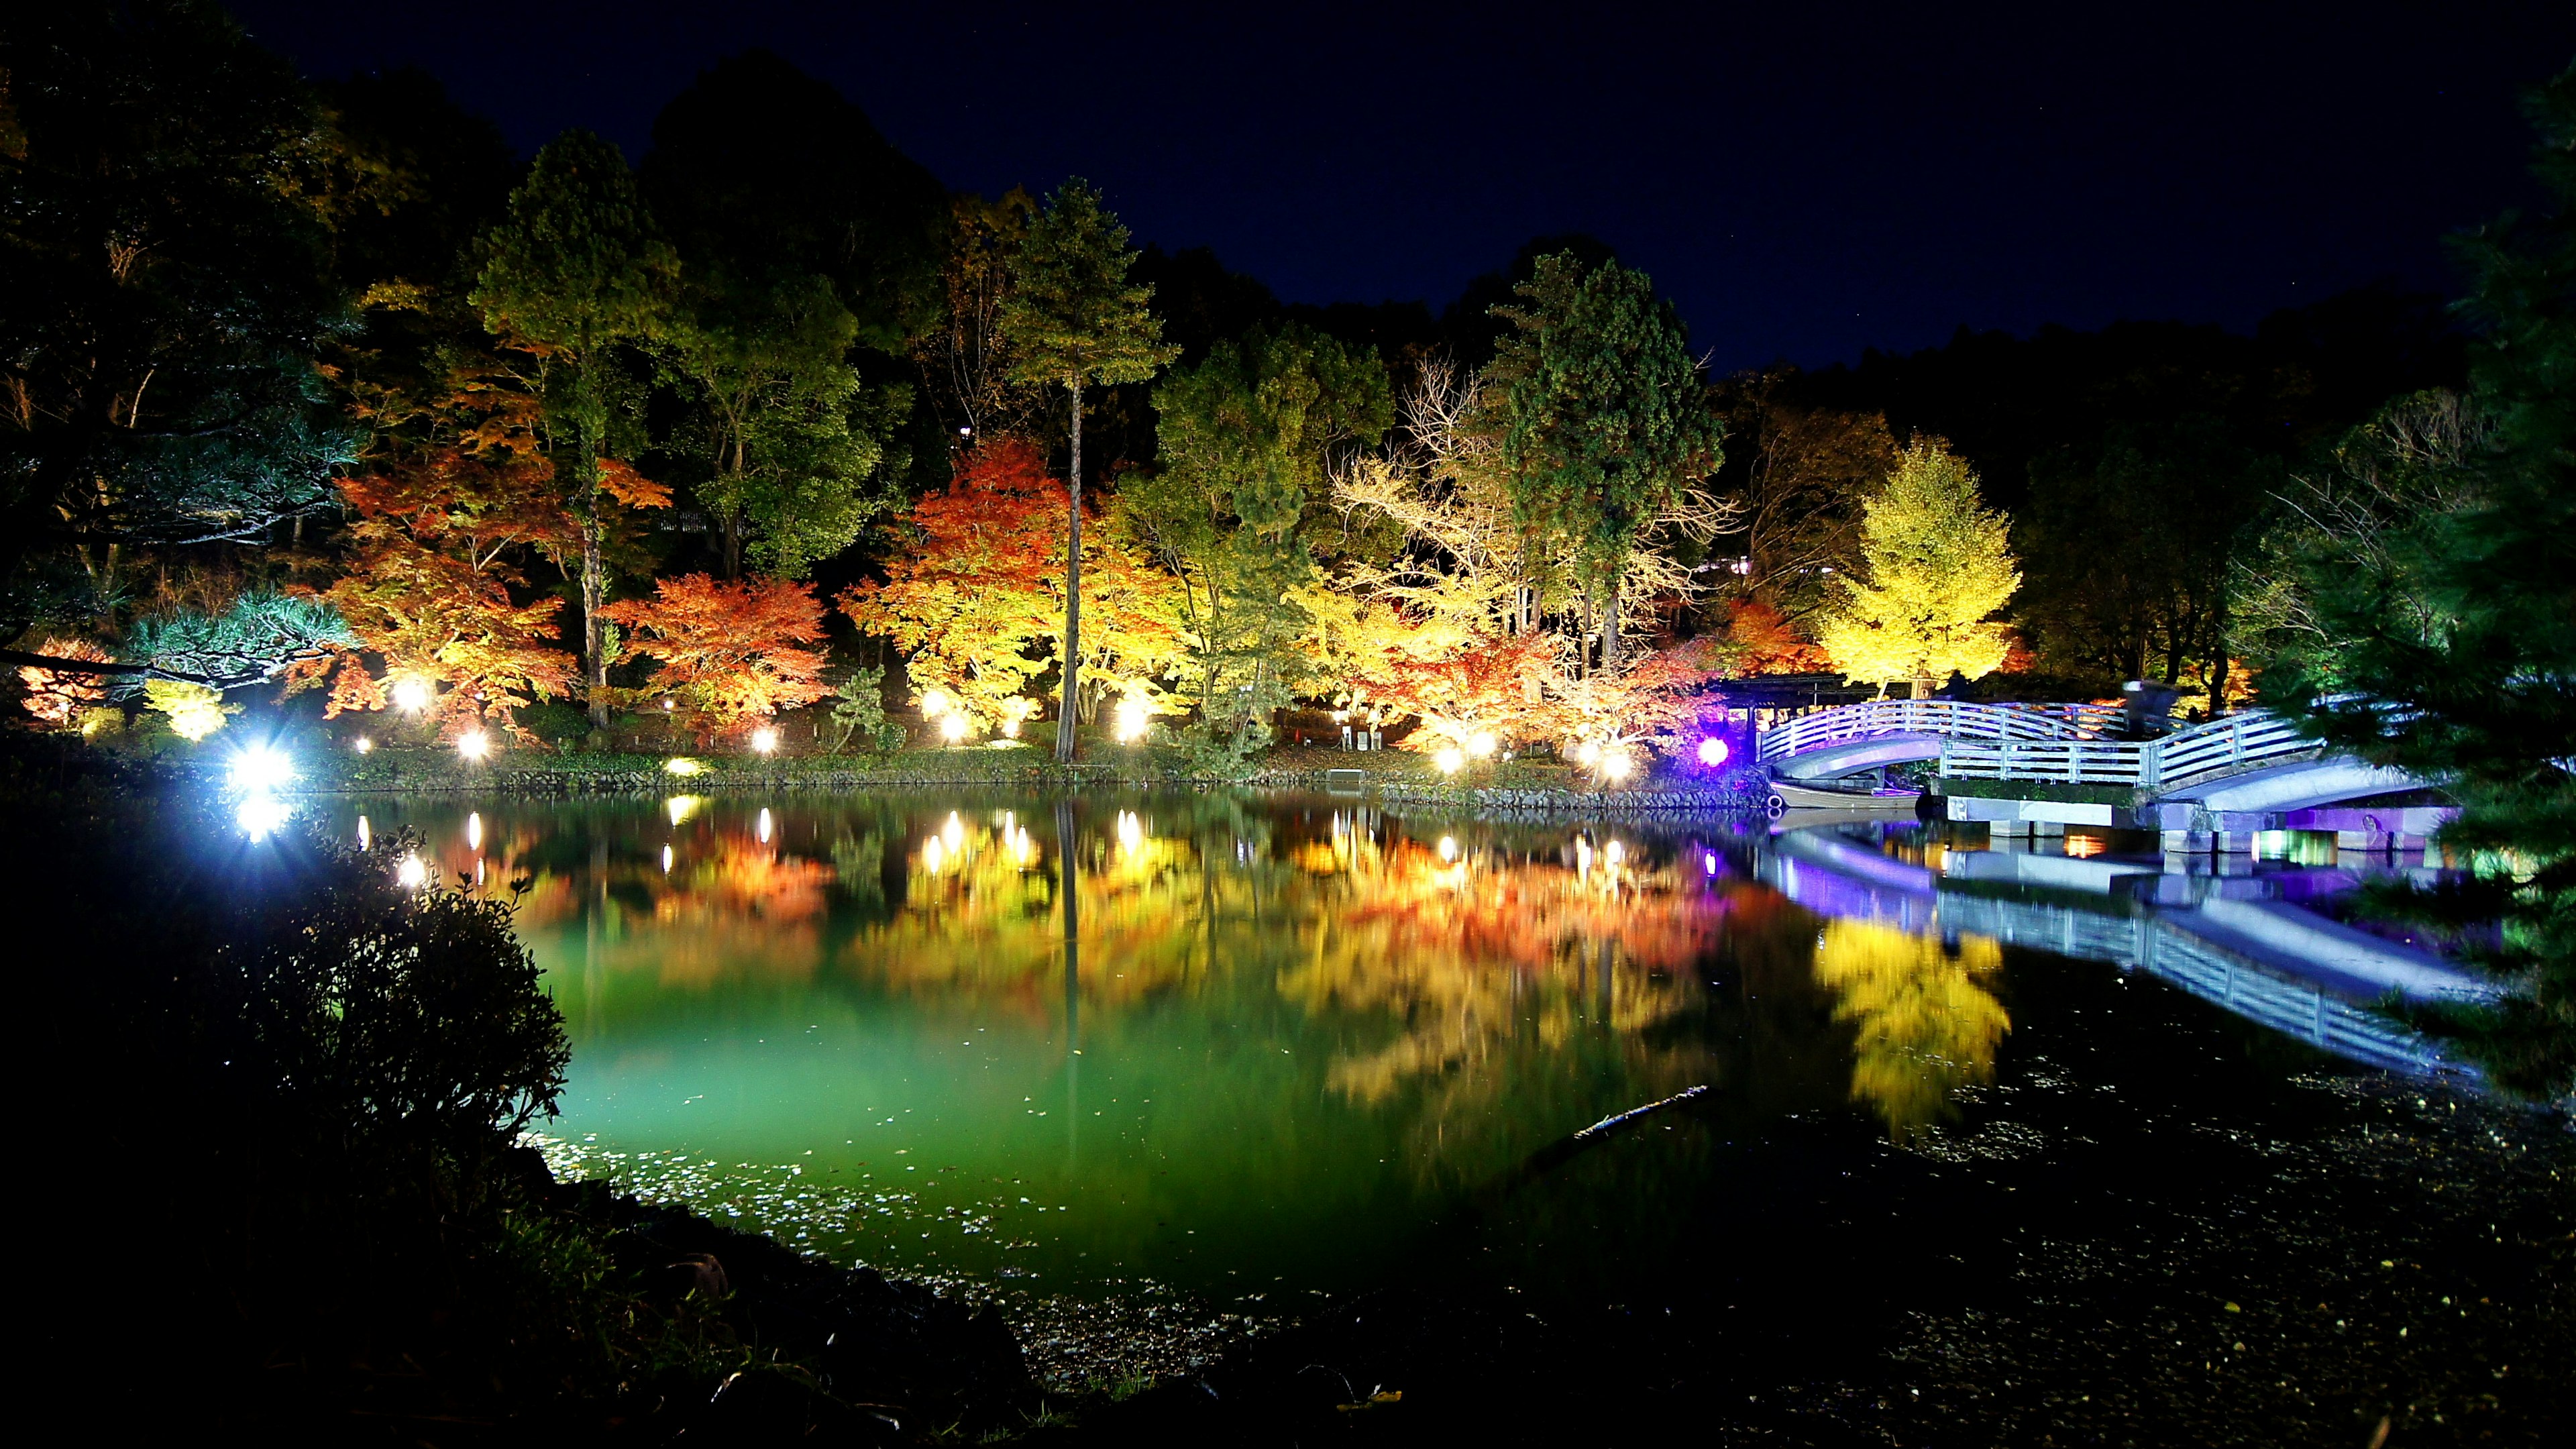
(2399, 1255)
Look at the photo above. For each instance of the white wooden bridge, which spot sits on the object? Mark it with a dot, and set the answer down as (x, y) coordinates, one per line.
(2209, 786)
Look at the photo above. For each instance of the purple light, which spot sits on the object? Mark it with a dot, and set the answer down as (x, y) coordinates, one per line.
(1712, 751)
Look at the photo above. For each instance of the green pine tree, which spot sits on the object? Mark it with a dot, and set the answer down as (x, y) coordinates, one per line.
(1073, 319)
(577, 270)
(2453, 654)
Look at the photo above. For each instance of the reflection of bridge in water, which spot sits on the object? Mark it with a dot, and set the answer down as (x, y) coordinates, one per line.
(2229, 940)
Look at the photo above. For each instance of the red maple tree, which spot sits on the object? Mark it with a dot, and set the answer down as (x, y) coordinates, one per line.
(734, 652)
(462, 496)
(1765, 642)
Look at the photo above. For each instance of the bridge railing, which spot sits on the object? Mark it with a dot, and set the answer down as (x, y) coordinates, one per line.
(2238, 742)
(1950, 718)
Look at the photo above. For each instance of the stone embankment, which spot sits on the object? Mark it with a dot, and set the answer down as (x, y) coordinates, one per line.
(1391, 780)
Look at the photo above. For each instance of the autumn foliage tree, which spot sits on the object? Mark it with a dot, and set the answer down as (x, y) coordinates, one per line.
(976, 599)
(1767, 643)
(462, 496)
(1938, 566)
(56, 697)
(1492, 688)
(734, 652)
(967, 602)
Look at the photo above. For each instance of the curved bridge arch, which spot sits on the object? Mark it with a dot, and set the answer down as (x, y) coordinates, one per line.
(2249, 764)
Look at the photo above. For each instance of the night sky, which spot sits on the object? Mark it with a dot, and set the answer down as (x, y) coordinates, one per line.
(1804, 185)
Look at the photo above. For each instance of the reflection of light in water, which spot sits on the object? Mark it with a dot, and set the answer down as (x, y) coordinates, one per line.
(1448, 847)
(1131, 831)
(930, 855)
(954, 833)
(764, 826)
(262, 815)
(1708, 863)
(413, 873)
(2084, 847)
(478, 872)
(666, 860)
(474, 831)
(1615, 853)
(1582, 858)
(366, 838)
(681, 807)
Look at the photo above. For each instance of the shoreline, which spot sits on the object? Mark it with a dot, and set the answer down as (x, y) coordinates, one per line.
(627, 775)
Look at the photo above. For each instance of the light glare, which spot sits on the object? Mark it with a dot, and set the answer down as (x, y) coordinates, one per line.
(260, 769)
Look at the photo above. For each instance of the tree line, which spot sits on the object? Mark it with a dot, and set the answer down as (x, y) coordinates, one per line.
(316, 384)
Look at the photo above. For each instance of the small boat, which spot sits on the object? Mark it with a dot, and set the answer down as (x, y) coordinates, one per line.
(1786, 796)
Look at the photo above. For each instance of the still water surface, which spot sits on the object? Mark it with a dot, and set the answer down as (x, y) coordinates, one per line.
(1288, 1039)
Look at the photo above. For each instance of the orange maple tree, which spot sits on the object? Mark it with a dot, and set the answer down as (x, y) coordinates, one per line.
(1496, 686)
(976, 601)
(462, 494)
(733, 651)
(1767, 643)
(55, 696)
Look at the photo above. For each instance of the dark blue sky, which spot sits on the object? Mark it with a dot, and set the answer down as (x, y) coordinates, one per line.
(1803, 184)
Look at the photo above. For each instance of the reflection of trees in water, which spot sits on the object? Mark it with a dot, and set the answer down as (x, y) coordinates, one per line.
(1926, 1025)
(1474, 959)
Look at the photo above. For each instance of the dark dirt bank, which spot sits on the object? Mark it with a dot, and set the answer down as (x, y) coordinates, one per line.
(2410, 1260)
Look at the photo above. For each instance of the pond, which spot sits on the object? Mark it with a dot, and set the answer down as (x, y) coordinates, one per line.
(1250, 1052)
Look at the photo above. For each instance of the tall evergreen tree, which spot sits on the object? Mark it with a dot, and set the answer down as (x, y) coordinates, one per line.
(2452, 652)
(1604, 418)
(1248, 439)
(576, 271)
(1074, 319)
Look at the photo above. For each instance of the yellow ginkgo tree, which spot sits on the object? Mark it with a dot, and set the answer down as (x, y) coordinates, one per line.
(1937, 565)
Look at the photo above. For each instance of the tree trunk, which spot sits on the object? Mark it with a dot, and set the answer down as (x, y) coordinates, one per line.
(1583, 636)
(1065, 722)
(594, 639)
(1610, 627)
(1922, 684)
(1529, 584)
(733, 543)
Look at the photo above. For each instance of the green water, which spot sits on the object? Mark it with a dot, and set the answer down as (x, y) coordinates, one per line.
(1286, 1040)
(1290, 1042)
